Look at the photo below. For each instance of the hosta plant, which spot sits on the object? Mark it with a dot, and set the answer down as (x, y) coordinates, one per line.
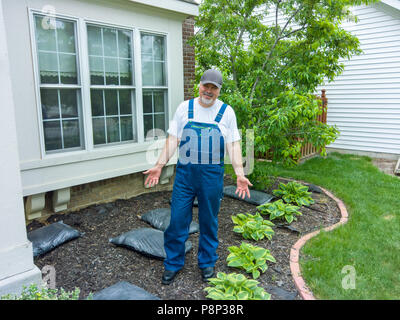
(294, 192)
(280, 210)
(249, 258)
(234, 286)
(253, 227)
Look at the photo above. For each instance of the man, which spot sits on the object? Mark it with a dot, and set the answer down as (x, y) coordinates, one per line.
(202, 128)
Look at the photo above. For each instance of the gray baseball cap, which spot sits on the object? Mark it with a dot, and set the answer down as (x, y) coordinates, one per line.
(212, 76)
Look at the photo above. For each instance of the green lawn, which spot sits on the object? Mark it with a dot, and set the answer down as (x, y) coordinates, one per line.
(370, 241)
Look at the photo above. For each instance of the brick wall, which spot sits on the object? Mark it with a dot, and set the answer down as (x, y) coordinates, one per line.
(188, 57)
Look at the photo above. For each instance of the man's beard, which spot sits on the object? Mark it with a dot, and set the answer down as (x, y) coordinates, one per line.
(207, 101)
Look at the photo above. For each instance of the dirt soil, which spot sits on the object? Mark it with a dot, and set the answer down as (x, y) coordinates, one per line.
(91, 263)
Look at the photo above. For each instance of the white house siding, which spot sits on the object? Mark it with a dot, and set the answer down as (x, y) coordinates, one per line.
(41, 172)
(364, 102)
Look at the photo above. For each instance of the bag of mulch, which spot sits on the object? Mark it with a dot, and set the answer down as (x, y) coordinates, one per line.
(160, 219)
(49, 237)
(256, 197)
(124, 291)
(147, 241)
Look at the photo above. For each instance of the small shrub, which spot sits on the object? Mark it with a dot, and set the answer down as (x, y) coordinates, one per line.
(34, 293)
(235, 286)
(249, 258)
(280, 209)
(253, 226)
(295, 193)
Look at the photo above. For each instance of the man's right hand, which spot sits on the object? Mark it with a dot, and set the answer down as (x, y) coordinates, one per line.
(153, 176)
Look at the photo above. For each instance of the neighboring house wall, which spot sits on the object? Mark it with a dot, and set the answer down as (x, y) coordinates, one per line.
(364, 102)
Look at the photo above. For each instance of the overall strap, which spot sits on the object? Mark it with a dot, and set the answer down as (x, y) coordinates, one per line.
(190, 116)
(220, 113)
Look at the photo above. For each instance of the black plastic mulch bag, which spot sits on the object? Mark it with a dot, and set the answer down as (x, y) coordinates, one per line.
(147, 241)
(124, 291)
(49, 237)
(256, 197)
(160, 219)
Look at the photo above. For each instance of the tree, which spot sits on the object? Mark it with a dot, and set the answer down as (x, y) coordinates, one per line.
(271, 70)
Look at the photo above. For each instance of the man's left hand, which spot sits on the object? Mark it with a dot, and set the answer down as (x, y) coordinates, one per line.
(243, 187)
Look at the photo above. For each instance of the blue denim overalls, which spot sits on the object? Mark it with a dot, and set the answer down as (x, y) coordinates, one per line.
(199, 172)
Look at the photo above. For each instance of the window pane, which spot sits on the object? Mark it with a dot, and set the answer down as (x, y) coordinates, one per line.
(68, 71)
(96, 70)
(45, 35)
(65, 36)
(71, 133)
(113, 130)
(148, 124)
(52, 135)
(159, 121)
(125, 69)
(94, 41)
(99, 132)
(48, 67)
(159, 105)
(111, 102)
(159, 74)
(50, 108)
(69, 103)
(111, 66)
(147, 44)
(125, 103)
(110, 42)
(126, 128)
(124, 43)
(96, 97)
(147, 71)
(158, 48)
(147, 102)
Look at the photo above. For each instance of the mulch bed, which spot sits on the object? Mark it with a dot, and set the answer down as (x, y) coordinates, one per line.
(91, 263)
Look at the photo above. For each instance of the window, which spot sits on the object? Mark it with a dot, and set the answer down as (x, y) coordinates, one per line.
(88, 82)
(60, 90)
(112, 85)
(154, 82)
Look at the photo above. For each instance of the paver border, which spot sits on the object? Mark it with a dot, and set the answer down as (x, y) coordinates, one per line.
(299, 282)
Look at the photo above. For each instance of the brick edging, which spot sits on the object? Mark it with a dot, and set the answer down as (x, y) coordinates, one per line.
(301, 286)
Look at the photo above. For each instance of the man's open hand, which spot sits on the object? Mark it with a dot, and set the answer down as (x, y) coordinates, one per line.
(243, 187)
(153, 176)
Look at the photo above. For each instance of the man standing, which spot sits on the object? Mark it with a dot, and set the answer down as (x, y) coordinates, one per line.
(202, 127)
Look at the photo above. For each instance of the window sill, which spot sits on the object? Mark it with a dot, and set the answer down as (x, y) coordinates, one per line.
(94, 154)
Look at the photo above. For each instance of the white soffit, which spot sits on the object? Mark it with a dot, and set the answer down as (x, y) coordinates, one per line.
(172, 5)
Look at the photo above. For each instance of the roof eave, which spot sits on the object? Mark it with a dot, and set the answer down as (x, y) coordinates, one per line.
(172, 5)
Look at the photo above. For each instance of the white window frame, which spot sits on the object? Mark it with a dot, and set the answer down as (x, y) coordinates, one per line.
(90, 151)
(165, 88)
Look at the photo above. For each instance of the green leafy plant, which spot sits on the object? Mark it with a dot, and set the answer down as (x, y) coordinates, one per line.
(294, 192)
(253, 226)
(280, 209)
(235, 286)
(34, 293)
(249, 258)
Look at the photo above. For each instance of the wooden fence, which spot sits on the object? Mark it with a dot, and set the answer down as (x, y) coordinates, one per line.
(308, 150)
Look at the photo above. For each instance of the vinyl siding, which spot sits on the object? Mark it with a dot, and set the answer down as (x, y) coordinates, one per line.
(364, 102)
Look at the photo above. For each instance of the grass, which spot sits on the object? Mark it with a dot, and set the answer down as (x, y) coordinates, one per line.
(368, 245)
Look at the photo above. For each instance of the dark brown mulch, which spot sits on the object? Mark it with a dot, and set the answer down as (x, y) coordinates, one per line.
(91, 263)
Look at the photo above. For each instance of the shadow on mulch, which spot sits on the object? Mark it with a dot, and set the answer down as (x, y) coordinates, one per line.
(91, 263)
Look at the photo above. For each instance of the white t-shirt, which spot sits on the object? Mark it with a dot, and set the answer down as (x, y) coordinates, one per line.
(227, 124)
